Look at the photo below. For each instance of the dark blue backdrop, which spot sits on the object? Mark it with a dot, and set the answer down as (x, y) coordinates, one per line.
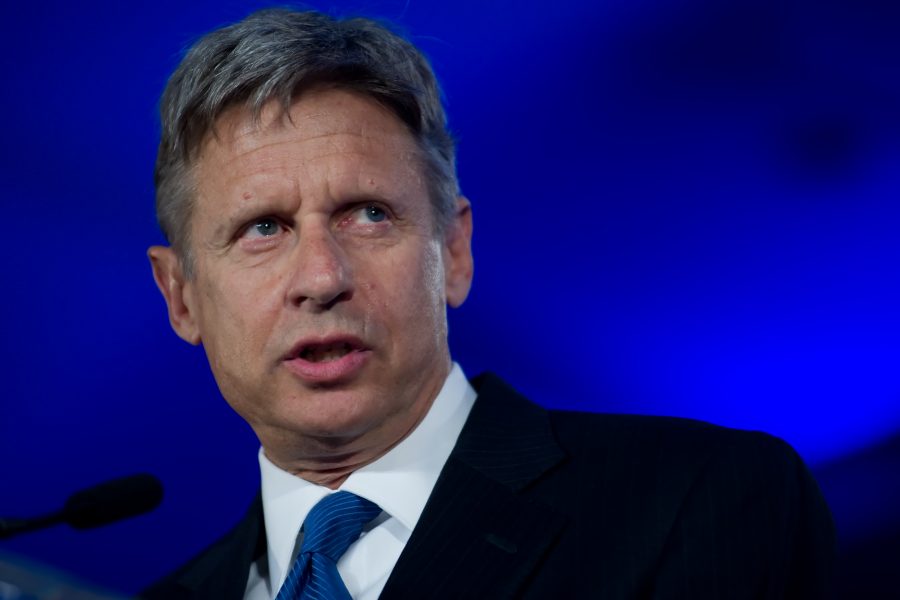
(682, 207)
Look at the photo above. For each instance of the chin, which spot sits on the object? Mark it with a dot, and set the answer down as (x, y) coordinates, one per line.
(334, 417)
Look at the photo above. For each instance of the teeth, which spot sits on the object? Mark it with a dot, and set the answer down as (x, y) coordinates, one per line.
(325, 353)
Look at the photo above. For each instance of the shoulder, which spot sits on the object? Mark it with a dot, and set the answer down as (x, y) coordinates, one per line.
(688, 460)
(667, 439)
(741, 505)
(709, 507)
(650, 457)
(221, 570)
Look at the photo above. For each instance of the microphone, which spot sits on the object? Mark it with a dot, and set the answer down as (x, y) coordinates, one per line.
(99, 505)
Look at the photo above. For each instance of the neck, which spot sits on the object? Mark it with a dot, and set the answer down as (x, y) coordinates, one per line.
(329, 460)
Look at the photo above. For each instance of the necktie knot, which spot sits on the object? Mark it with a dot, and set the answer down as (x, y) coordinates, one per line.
(335, 522)
(331, 526)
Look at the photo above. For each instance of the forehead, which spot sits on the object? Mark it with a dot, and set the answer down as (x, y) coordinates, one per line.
(320, 123)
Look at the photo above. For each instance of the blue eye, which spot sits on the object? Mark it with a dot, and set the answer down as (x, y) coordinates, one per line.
(375, 214)
(266, 227)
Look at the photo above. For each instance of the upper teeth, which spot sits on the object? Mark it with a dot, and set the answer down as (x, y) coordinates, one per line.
(326, 352)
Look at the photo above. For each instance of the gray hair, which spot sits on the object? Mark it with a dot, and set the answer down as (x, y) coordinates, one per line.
(276, 54)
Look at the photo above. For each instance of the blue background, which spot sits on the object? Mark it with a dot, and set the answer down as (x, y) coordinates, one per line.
(682, 207)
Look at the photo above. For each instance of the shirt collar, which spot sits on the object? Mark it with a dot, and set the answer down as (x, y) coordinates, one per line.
(400, 482)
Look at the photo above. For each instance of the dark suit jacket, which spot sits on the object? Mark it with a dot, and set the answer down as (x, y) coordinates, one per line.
(547, 504)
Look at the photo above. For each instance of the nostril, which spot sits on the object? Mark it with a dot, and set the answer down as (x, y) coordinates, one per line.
(342, 297)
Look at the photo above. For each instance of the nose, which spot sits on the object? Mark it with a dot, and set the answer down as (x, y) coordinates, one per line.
(321, 275)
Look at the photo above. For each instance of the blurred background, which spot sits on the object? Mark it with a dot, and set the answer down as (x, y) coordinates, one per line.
(682, 207)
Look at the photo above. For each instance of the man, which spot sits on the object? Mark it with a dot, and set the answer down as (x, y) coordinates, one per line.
(306, 183)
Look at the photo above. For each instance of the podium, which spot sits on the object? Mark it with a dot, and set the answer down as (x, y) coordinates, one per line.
(26, 579)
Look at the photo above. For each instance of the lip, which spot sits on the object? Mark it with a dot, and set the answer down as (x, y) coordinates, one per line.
(333, 371)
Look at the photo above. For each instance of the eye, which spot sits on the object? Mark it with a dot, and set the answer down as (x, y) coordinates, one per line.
(262, 228)
(374, 213)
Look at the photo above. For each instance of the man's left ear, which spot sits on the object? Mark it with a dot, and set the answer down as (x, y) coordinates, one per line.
(458, 265)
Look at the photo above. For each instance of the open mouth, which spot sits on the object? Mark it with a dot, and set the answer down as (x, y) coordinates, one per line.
(328, 360)
(319, 353)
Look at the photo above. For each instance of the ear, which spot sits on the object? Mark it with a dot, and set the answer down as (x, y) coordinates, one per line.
(458, 265)
(177, 290)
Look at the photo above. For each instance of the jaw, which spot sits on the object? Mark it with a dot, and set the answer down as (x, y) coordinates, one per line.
(343, 438)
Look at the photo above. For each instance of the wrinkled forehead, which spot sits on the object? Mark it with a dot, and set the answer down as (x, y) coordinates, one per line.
(319, 114)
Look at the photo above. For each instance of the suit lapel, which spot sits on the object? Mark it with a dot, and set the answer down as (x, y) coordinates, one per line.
(477, 535)
(222, 572)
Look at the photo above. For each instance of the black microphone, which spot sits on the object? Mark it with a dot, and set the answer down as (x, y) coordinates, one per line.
(99, 505)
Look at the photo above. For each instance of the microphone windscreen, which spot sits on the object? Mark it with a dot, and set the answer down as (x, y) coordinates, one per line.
(113, 500)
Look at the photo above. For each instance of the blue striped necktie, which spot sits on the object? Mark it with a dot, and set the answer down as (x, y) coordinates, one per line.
(329, 529)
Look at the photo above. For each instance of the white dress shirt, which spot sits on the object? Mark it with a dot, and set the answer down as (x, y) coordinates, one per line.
(399, 482)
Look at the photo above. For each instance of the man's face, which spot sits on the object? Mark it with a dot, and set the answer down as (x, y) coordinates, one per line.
(320, 284)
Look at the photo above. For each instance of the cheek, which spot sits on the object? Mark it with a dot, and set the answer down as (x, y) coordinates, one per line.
(234, 314)
(401, 291)
(419, 289)
(433, 283)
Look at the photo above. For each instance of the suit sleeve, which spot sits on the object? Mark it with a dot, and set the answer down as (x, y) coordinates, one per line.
(753, 525)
